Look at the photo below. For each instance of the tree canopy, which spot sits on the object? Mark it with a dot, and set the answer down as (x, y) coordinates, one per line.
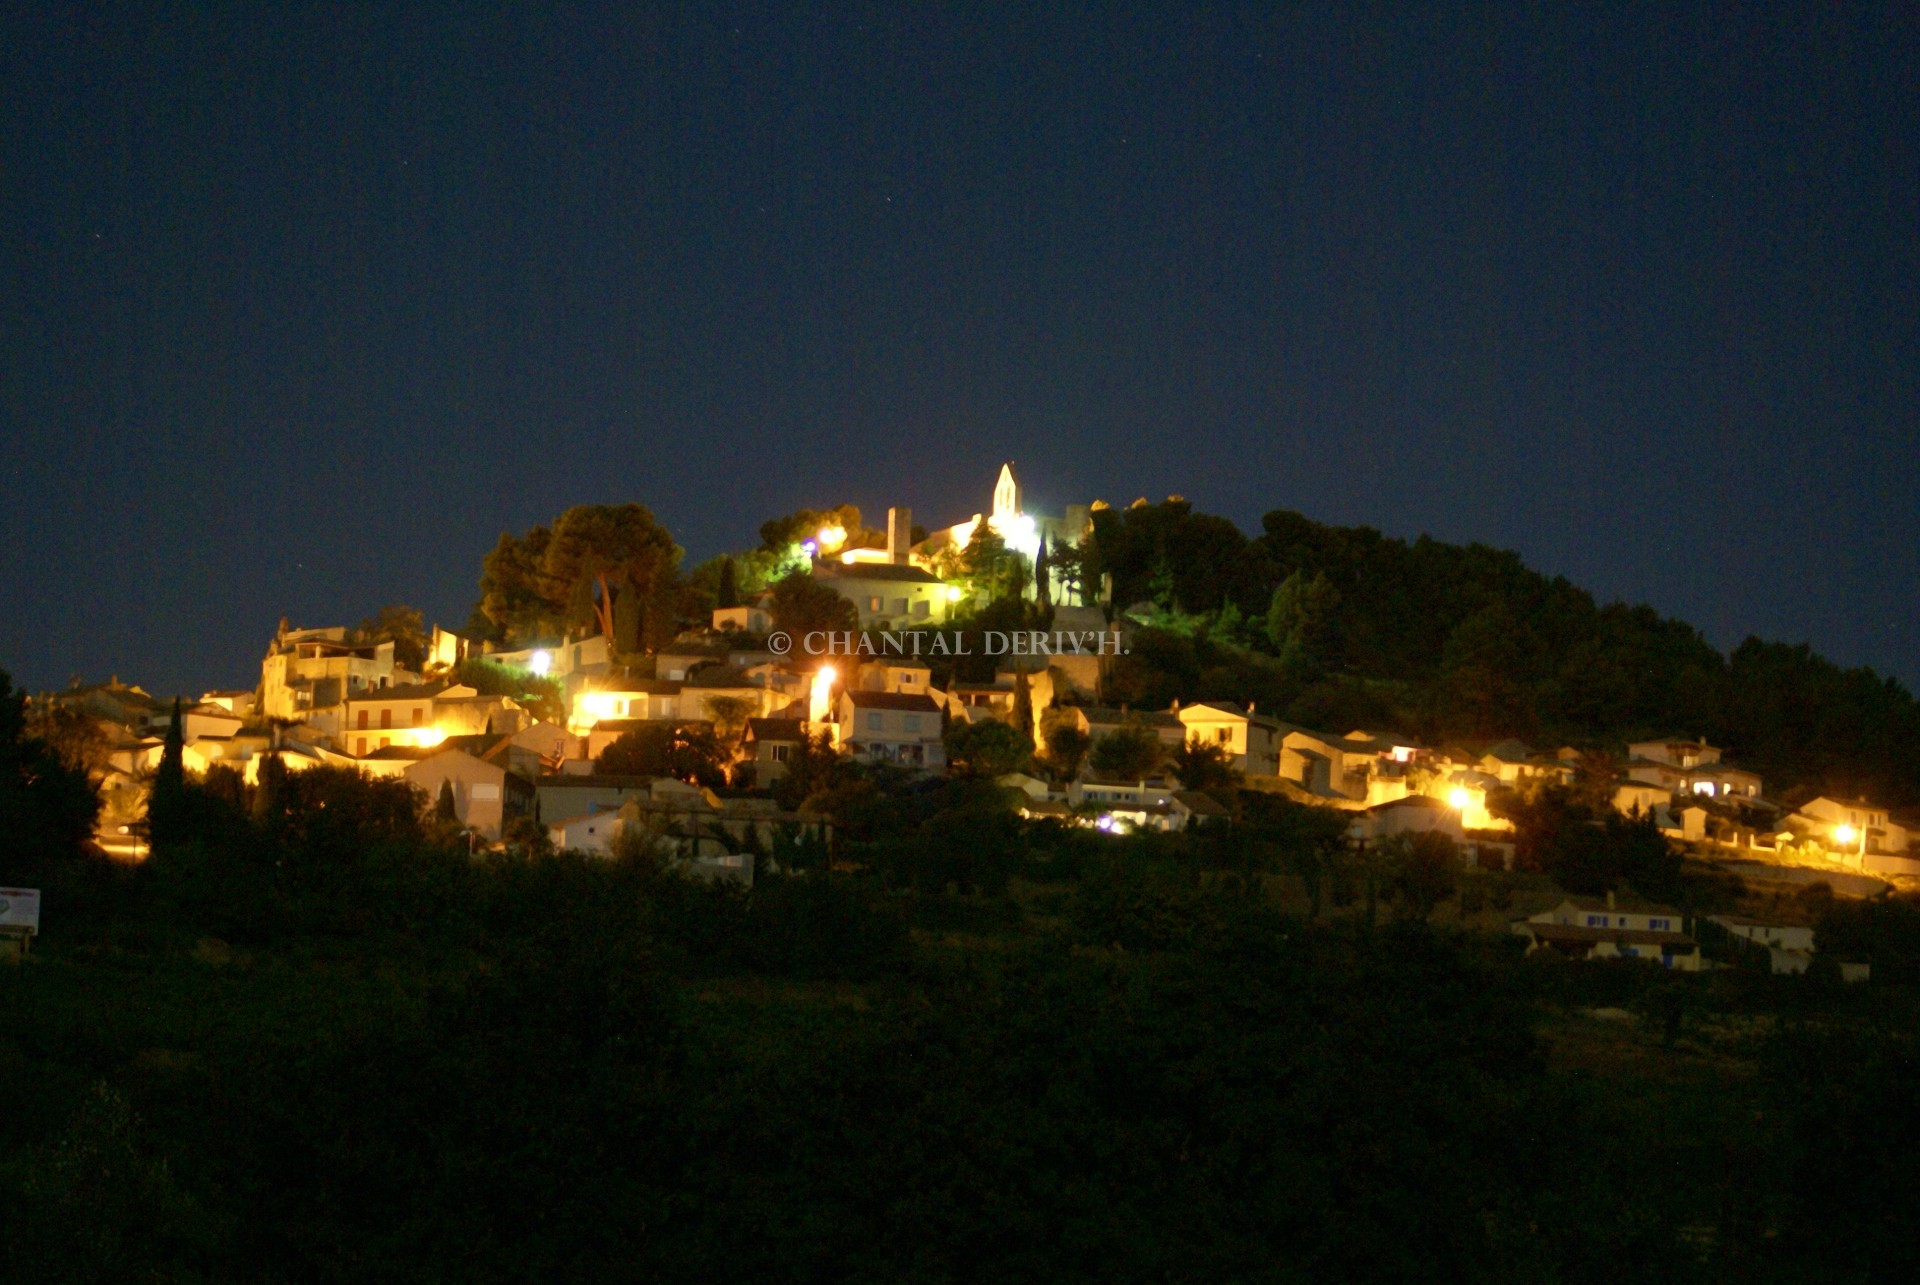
(1130, 753)
(802, 605)
(610, 568)
(47, 807)
(404, 627)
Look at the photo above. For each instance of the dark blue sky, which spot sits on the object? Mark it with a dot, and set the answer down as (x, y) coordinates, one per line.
(303, 307)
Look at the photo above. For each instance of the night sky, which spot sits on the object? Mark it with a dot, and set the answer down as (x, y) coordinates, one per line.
(304, 307)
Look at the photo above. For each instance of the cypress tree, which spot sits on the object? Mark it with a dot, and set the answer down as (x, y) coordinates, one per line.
(728, 595)
(1023, 704)
(165, 803)
(269, 784)
(1043, 576)
(443, 806)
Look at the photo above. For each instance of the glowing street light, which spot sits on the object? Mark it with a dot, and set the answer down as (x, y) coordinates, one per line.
(540, 662)
(832, 536)
(954, 593)
(820, 700)
(1460, 799)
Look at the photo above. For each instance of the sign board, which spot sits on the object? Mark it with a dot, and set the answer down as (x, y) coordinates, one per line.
(20, 910)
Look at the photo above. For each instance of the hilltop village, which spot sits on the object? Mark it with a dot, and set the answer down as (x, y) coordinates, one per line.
(1145, 876)
(834, 648)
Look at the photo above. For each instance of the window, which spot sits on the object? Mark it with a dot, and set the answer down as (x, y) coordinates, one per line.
(873, 604)
(363, 720)
(1659, 925)
(921, 608)
(484, 793)
(386, 718)
(1224, 735)
(875, 722)
(899, 606)
(1596, 921)
(360, 746)
(416, 716)
(385, 741)
(913, 722)
(782, 753)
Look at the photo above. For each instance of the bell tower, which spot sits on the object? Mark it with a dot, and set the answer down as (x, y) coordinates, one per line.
(1006, 494)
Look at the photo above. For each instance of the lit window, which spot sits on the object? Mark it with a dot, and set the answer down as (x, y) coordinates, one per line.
(873, 604)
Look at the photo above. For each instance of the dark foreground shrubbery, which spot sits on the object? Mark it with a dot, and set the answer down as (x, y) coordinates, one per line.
(284, 1057)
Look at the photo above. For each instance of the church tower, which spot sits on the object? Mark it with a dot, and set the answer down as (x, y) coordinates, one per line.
(1006, 495)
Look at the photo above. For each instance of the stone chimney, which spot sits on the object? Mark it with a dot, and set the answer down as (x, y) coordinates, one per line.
(899, 535)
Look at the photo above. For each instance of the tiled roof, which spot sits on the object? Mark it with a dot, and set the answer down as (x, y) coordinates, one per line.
(479, 744)
(1426, 801)
(1201, 804)
(912, 702)
(1113, 715)
(409, 753)
(717, 676)
(1579, 933)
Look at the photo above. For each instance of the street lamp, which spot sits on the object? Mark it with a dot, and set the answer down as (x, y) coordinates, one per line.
(1461, 799)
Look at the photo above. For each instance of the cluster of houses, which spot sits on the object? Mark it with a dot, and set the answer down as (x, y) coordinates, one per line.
(325, 696)
(1613, 927)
